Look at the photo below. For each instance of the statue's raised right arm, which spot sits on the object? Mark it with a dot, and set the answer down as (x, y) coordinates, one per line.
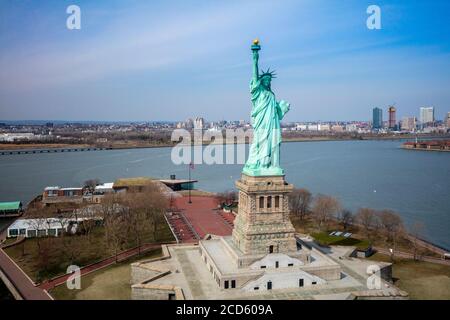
(255, 66)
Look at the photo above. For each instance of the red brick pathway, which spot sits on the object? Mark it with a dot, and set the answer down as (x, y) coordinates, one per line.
(204, 217)
(20, 280)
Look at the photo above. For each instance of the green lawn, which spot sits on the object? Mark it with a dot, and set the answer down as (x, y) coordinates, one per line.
(324, 239)
(110, 283)
(85, 251)
(422, 280)
(56, 259)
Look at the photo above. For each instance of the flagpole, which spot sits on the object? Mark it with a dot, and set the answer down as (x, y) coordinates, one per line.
(190, 185)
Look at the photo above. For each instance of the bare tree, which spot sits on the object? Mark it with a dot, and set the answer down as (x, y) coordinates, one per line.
(113, 221)
(91, 184)
(134, 217)
(87, 218)
(416, 232)
(227, 197)
(155, 204)
(346, 218)
(137, 221)
(39, 219)
(299, 202)
(391, 224)
(367, 218)
(323, 210)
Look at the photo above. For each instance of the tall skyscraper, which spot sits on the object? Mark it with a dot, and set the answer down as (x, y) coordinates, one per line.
(392, 121)
(426, 115)
(377, 118)
(447, 120)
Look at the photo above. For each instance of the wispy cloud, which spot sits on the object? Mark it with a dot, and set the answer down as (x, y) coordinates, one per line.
(130, 46)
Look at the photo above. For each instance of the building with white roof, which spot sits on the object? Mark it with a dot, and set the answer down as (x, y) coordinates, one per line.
(31, 228)
(104, 188)
(43, 227)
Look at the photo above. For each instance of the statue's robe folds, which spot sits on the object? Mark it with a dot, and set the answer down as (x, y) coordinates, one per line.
(264, 157)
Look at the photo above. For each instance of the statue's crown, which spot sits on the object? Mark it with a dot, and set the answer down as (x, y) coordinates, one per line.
(268, 73)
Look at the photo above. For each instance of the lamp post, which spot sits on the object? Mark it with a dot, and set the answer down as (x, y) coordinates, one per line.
(190, 185)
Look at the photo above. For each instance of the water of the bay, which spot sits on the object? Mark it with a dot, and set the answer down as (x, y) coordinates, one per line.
(376, 174)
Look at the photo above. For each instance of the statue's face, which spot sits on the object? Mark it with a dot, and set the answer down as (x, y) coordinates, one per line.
(265, 81)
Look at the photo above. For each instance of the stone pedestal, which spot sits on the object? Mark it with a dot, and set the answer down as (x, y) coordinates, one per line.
(262, 225)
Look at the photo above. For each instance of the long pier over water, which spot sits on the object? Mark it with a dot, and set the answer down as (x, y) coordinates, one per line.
(50, 150)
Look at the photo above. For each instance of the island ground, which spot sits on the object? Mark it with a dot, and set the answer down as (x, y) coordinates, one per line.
(110, 283)
(422, 280)
(56, 262)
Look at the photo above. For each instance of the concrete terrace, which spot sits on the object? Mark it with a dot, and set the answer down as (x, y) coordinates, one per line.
(197, 283)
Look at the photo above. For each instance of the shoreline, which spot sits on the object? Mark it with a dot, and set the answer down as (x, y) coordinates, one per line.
(425, 243)
(420, 149)
(47, 146)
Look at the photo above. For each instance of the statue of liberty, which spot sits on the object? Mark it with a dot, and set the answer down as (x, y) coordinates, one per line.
(264, 157)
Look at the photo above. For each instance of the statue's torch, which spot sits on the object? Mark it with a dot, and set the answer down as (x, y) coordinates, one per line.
(255, 46)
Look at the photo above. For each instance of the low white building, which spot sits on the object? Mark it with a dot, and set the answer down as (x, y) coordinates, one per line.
(352, 127)
(11, 137)
(337, 128)
(301, 127)
(41, 227)
(323, 127)
(44, 227)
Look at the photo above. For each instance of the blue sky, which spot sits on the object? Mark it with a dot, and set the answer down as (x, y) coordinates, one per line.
(170, 60)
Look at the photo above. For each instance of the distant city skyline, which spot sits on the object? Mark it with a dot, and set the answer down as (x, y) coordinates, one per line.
(160, 61)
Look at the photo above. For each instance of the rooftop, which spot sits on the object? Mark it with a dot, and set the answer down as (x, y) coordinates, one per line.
(129, 182)
(52, 188)
(14, 205)
(177, 181)
(108, 185)
(42, 223)
(59, 188)
(220, 256)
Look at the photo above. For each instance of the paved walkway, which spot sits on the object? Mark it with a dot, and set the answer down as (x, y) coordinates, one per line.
(22, 283)
(407, 255)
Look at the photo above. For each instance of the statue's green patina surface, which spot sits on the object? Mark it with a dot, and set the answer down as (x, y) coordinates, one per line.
(264, 157)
